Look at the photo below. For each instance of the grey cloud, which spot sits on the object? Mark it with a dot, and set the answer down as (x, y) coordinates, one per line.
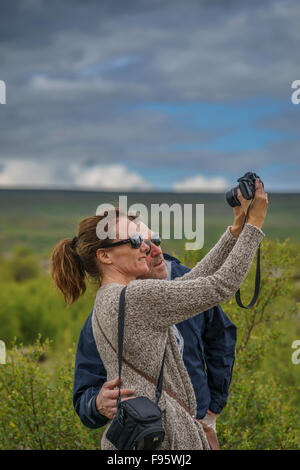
(74, 68)
(198, 51)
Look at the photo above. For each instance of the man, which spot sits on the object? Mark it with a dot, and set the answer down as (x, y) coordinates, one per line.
(206, 343)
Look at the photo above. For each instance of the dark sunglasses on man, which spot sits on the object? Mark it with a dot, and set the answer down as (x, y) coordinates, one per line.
(136, 241)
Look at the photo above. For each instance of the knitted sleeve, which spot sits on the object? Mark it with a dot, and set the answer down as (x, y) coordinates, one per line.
(164, 303)
(214, 259)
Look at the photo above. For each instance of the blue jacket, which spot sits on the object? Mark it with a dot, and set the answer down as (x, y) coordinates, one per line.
(208, 354)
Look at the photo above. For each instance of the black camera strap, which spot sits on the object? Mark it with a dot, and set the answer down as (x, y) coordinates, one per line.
(120, 350)
(257, 285)
(257, 279)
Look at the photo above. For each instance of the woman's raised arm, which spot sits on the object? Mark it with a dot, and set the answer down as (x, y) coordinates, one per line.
(214, 258)
(165, 303)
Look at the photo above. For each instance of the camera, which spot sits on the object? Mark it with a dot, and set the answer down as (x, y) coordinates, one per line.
(247, 188)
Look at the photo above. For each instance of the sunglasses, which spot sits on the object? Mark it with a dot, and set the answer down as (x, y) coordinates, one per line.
(137, 240)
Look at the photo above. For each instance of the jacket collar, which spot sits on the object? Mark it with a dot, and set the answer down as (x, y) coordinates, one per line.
(171, 258)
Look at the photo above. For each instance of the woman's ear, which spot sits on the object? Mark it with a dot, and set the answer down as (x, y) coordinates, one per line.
(103, 256)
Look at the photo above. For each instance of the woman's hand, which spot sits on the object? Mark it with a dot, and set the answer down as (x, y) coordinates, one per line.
(239, 217)
(258, 209)
(254, 218)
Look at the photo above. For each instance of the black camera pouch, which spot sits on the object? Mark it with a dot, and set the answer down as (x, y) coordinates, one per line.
(137, 425)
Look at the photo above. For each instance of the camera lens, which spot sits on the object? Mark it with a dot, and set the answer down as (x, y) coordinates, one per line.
(231, 197)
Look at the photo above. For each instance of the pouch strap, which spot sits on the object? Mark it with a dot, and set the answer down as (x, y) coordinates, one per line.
(120, 350)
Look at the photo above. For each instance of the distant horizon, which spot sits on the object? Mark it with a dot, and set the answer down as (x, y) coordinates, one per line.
(137, 191)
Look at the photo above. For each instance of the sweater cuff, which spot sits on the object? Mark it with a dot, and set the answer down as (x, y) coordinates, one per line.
(229, 235)
(254, 231)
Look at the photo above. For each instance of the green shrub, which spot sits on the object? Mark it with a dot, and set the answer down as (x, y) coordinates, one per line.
(24, 264)
(36, 409)
(262, 409)
(34, 306)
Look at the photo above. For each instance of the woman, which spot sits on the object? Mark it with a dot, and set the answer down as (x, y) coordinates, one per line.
(152, 307)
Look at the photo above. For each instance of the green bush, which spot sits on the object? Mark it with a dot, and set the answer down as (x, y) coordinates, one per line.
(262, 407)
(260, 414)
(33, 306)
(36, 409)
(24, 264)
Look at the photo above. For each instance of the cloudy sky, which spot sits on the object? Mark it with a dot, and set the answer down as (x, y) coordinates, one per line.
(149, 94)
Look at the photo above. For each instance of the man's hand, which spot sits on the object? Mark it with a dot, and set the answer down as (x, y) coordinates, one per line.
(209, 426)
(210, 419)
(106, 401)
(211, 436)
(211, 413)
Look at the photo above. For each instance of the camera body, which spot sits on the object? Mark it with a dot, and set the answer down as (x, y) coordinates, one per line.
(247, 188)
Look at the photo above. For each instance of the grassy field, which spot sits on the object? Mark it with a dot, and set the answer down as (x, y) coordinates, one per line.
(264, 400)
(40, 218)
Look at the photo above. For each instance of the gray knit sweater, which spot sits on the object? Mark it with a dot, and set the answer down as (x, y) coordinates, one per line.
(152, 307)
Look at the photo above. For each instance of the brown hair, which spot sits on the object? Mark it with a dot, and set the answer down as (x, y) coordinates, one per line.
(72, 262)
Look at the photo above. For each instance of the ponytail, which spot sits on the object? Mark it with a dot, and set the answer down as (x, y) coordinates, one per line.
(67, 271)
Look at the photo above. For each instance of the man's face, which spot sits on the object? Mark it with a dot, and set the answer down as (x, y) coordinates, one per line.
(155, 259)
